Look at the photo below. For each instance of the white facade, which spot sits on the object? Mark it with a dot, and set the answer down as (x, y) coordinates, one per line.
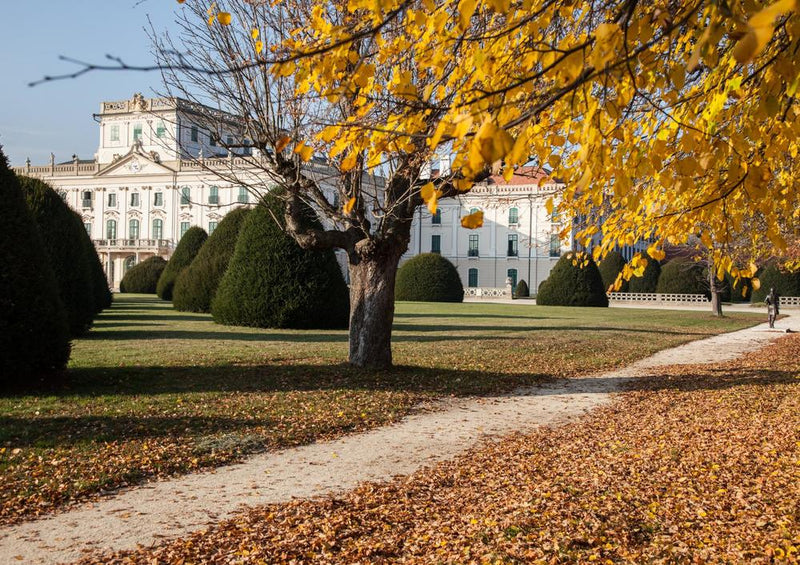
(154, 176)
(518, 240)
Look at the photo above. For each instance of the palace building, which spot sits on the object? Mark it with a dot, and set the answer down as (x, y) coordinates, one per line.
(158, 171)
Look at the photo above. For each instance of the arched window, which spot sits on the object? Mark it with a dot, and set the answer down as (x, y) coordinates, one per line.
(158, 229)
(130, 261)
(213, 195)
(133, 229)
(512, 274)
(513, 216)
(436, 219)
(186, 196)
(111, 229)
(473, 278)
(473, 210)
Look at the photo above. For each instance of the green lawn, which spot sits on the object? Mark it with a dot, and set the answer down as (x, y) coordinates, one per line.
(153, 392)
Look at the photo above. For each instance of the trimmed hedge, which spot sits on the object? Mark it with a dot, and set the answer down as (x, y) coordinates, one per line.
(198, 283)
(521, 290)
(102, 294)
(784, 283)
(649, 280)
(683, 276)
(733, 292)
(610, 267)
(34, 336)
(271, 282)
(143, 278)
(428, 277)
(573, 285)
(182, 257)
(63, 236)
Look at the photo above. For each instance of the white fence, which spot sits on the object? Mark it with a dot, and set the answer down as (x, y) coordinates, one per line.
(652, 297)
(790, 300)
(487, 292)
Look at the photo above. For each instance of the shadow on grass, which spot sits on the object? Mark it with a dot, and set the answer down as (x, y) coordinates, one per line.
(118, 317)
(69, 430)
(265, 336)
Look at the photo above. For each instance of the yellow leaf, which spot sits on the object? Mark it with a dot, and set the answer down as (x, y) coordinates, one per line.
(494, 142)
(282, 143)
(254, 33)
(304, 151)
(756, 284)
(259, 45)
(427, 192)
(463, 185)
(472, 221)
(348, 206)
(349, 162)
(224, 18)
(465, 10)
(760, 30)
(549, 206)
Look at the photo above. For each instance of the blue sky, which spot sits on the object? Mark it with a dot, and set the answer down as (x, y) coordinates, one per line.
(57, 116)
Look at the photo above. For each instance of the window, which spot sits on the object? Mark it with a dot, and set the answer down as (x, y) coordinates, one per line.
(194, 134)
(554, 215)
(137, 132)
(112, 199)
(512, 274)
(437, 218)
(115, 133)
(130, 261)
(436, 243)
(473, 245)
(63, 195)
(213, 195)
(87, 199)
(158, 199)
(555, 245)
(211, 227)
(212, 139)
(134, 199)
(229, 141)
(133, 229)
(184, 228)
(473, 278)
(158, 229)
(160, 130)
(244, 197)
(513, 216)
(88, 226)
(513, 249)
(473, 210)
(111, 229)
(186, 196)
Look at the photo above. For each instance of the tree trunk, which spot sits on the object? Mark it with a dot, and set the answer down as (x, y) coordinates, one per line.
(713, 285)
(372, 309)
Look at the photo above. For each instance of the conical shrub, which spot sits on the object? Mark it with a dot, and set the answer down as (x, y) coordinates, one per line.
(610, 267)
(143, 277)
(34, 336)
(182, 257)
(63, 236)
(574, 281)
(102, 294)
(271, 282)
(683, 276)
(521, 290)
(428, 277)
(649, 279)
(198, 283)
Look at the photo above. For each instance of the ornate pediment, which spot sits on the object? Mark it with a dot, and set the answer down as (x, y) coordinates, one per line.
(135, 164)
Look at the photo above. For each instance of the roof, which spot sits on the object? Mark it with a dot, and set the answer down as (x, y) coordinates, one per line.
(522, 176)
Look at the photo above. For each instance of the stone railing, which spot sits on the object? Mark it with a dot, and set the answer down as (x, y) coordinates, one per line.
(133, 244)
(790, 301)
(656, 298)
(487, 292)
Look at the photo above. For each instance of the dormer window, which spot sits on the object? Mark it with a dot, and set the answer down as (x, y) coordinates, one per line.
(137, 132)
(194, 134)
(115, 132)
(135, 199)
(160, 130)
(112, 199)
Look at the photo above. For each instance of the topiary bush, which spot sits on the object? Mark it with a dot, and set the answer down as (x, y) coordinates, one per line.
(521, 290)
(143, 278)
(574, 281)
(740, 292)
(683, 275)
(271, 282)
(34, 335)
(198, 283)
(610, 267)
(102, 294)
(428, 277)
(784, 282)
(182, 257)
(63, 236)
(649, 280)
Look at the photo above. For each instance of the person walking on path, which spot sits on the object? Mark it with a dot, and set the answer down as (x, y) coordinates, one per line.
(771, 301)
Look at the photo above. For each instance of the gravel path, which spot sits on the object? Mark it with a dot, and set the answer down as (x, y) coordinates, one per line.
(150, 513)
